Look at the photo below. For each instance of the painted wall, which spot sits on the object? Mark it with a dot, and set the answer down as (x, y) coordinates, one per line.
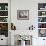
(24, 5)
(32, 6)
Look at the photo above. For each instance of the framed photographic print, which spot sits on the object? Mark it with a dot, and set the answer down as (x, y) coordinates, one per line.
(23, 14)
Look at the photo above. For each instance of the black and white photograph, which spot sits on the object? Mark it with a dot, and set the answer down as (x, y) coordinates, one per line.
(23, 14)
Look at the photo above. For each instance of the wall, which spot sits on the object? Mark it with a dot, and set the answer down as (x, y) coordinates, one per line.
(32, 6)
(24, 5)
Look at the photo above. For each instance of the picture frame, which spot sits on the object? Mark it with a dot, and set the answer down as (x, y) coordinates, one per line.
(23, 14)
